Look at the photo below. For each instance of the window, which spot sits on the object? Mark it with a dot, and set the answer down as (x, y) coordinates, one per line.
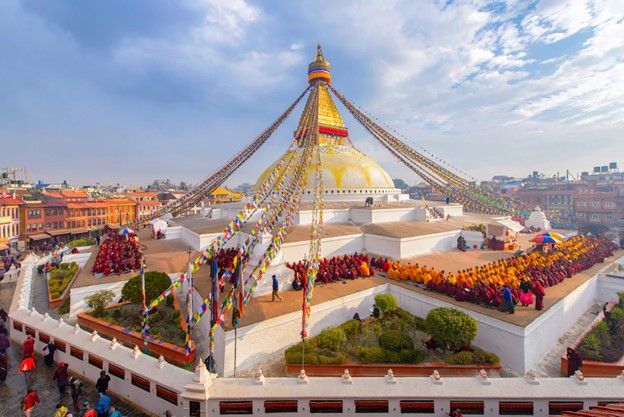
(595, 217)
(581, 216)
(581, 203)
(608, 216)
(594, 204)
(608, 204)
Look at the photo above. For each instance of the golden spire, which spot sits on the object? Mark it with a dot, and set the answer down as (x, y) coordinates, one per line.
(318, 70)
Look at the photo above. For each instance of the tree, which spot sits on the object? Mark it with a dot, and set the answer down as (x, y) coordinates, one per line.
(400, 184)
(387, 303)
(99, 301)
(155, 284)
(450, 327)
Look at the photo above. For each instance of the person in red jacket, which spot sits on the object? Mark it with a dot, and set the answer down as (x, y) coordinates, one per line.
(87, 411)
(29, 347)
(29, 401)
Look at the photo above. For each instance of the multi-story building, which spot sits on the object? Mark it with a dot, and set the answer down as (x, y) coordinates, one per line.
(146, 202)
(9, 219)
(33, 220)
(86, 216)
(223, 195)
(599, 204)
(557, 198)
(120, 211)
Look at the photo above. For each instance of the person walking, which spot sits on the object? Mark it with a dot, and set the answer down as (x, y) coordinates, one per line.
(75, 385)
(49, 349)
(61, 377)
(29, 347)
(27, 365)
(113, 412)
(102, 406)
(102, 383)
(87, 411)
(507, 303)
(275, 289)
(539, 292)
(62, 411)
(4, 364)
(29, 402)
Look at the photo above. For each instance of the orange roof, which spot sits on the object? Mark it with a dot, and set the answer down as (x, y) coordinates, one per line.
(120, 202)
(142, 194)
(149, 203)
(8, 200)
(74, 194)
(52, 194)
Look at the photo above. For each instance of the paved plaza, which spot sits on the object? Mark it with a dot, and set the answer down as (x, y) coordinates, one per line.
(14, 388)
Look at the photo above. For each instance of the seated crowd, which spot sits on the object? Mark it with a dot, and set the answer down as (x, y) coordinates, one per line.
(118, 254)
(336, 268)
(522, 274)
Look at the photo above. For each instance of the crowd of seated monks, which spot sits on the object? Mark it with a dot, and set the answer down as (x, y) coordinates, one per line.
(338, 268)
(484, 284)
(118, 254)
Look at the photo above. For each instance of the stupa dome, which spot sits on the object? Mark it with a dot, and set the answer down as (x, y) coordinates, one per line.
(345, 168)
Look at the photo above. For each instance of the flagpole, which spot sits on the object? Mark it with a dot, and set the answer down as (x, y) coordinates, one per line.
(235, 312)
(214, 274)
(144, 309)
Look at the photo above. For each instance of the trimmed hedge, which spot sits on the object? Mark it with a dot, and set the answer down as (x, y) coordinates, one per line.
(395, 341)
(87, 241)
(476, 356)
(60, 278)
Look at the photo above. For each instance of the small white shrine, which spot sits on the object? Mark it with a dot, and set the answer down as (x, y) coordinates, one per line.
(538, 220)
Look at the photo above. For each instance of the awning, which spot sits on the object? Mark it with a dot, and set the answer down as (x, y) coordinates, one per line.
(58, 232)
(3, 246)
(39, 236)
(513, 225)
(79, 231)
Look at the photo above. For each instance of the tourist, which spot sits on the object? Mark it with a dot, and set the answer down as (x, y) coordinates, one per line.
(87, 411)
(456, 413)
(5, 342)
(29, 347)
(75, 385)
(48, 359)
(526, 296)
(27, 365)
(113, 412)
(61, 377)
(507, 302)
(275, 289)
(102, 383)
(4, 364)
(29, 401)
(62, 411)
(103, 404)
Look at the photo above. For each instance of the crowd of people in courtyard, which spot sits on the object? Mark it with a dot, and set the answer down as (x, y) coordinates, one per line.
(118, 253)
(519, 277)
(334, 269)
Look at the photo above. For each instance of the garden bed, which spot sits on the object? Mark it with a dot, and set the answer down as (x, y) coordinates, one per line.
(130, 313)
(597, 368)
(398, 340)
(60, 281)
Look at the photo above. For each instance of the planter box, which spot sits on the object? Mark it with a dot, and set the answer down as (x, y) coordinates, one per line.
(594, 368)
(57, 302)
(172, 353)
(399, 369)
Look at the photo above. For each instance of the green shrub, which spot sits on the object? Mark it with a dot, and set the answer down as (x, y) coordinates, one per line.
(617, 320)
(116, 314)
(313, 356)
(419, 324)
(464, 357)
(351, 328)
(373, 354)
(99, 301)
(590, 347)
(87, 241)
(484, 357)
(391, 357)
(412, 356)
(175, 316)
(451, 327)
(169, 300)
(155, 284)
(55, 295)
(620, 299)
(386, 303)
(601, 330)
(332, 339)
(395, 341)
(64, 308)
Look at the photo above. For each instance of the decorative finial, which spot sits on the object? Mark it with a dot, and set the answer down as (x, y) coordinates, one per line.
(33, 311)
(390, 377)
(259, 377)
(436, 377)
(76, 328)
(318, 70)
(346, 377)
(114, 343)
(483, 377)
(136, 351)
(60, 322)
(302, 378)
(45, 316)
(580, 378)
(161, 361)
(94, 336)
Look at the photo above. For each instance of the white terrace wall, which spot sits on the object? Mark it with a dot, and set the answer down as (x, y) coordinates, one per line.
(537, 393)
(139, 378)
(266, 340)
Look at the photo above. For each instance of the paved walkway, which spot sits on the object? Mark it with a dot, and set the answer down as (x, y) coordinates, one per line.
(14, 388)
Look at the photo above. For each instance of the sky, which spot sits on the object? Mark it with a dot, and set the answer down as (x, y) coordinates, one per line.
(117, 91)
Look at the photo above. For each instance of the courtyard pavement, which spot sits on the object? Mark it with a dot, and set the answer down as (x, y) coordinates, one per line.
(14, 388)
